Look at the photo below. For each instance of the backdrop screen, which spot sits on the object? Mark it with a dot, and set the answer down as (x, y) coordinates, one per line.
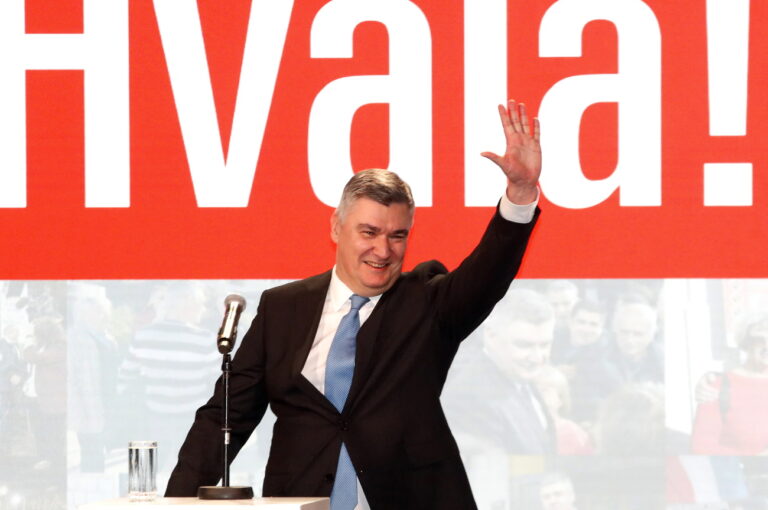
(157, 155)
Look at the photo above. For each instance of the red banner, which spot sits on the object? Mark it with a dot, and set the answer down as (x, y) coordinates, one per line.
(185, 139)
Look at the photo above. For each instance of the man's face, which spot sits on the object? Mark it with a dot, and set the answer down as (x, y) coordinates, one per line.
(520, 349)
(563, 301)
(370, 245)
(586, 327)
(558, 496)
(634, 327)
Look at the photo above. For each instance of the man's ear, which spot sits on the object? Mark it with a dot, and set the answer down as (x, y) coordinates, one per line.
(335, 226)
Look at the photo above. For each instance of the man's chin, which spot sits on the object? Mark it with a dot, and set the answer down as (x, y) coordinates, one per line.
(378, 284)
(374, 288)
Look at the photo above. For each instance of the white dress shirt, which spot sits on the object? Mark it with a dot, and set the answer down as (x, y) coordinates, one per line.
(337, 305)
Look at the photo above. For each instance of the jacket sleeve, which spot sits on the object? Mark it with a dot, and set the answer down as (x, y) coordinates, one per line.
(465, 297)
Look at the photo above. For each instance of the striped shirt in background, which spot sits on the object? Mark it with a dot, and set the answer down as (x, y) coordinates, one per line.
(174, 364)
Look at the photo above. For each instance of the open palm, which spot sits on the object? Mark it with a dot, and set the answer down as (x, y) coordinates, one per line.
(521, 162)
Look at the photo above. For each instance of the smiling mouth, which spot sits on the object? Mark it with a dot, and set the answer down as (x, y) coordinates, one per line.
(376, 265)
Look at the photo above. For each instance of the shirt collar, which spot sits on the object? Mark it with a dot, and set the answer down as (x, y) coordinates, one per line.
(339, 293)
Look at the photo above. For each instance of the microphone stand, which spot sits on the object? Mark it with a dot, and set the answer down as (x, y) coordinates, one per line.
(225, 491)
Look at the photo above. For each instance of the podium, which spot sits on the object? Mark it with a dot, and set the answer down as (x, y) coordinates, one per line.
(200, 504)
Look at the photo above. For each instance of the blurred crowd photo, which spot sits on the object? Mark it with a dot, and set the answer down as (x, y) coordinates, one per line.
(573, 394)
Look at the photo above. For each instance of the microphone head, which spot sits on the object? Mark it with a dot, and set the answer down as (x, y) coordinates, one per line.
(234, 299)
(233, 306)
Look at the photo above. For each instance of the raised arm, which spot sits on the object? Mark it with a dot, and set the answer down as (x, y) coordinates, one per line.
(521, 162)
(466, 296)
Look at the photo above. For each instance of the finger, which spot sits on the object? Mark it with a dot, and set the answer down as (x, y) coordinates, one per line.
(493, 157)
(515, 117)
(524, 119)
(536, 129)
(505, 122)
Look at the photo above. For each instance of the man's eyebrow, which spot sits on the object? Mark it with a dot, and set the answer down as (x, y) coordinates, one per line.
(367, 226)
(377, 230)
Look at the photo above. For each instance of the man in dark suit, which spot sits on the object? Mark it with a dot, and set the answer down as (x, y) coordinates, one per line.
(491, 398)
(633, 354)
(512, 418)
(388, 436)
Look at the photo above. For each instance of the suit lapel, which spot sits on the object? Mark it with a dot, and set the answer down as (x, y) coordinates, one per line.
(519, 422)
(307, 312)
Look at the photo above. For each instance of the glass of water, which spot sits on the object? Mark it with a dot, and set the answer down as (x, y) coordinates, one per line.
(142, 467)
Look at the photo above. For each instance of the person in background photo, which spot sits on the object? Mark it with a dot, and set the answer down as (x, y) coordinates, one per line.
(47, 355)
(631, 422)
(572, 439)
(636, 356)
(632, 354)
(492, 403)
(556, 492)
(736, 421)
(563, 296)
(511, 415)
(585, 339)
(92, 365)
(170, 366)
(586, 347)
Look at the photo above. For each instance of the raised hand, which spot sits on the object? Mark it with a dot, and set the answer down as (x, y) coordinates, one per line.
(521, 162)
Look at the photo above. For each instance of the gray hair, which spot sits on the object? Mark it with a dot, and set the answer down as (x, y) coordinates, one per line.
(379, 185)
(523, 305)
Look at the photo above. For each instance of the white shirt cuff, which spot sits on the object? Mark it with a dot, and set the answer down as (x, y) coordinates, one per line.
(515, 212)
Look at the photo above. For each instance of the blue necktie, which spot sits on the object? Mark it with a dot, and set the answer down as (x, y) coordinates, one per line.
(338, 378)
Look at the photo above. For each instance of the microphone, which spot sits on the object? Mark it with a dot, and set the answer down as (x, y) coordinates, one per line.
(233, 306)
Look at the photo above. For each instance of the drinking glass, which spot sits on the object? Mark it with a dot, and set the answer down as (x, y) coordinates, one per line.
(142, 467)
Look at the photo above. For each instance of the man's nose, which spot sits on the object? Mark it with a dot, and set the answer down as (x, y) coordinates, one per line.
(381, 247)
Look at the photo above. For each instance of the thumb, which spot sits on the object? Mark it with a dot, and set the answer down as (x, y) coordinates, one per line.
(493, 157)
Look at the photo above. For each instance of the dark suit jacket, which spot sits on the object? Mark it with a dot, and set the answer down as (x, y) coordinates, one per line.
(505, 420)
(602, 370)
(392, 423)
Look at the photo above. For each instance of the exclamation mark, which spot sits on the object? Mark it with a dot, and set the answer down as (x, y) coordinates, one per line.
(728, 184)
